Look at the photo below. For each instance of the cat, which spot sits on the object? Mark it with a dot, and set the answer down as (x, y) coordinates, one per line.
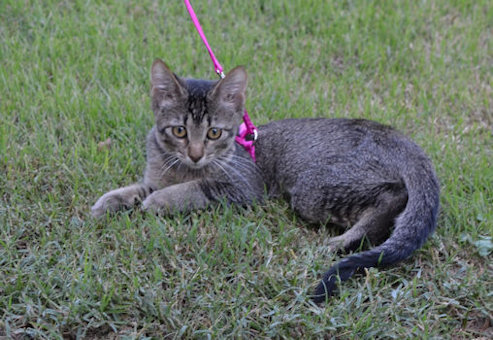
(351, 172)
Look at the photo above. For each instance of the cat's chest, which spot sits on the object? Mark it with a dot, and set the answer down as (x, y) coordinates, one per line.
(177, 175)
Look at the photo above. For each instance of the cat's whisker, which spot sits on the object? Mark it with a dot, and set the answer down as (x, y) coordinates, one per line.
(167, 160)
(233, 159)
(244, 165)
(169, 167)
(166, 166)
(238, 166)
(217, 162)
(238, 174)
(178, 169)
(247, 164)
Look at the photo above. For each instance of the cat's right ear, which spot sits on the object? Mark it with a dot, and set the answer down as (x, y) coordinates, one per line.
(230, 91)
(165, 87)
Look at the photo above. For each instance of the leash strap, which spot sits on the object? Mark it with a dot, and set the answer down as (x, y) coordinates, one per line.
(217, 66)
(246, 128)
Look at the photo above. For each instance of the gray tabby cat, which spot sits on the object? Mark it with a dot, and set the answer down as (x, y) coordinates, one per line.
(354, 173)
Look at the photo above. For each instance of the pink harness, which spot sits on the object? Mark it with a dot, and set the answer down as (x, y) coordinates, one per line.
(246, 128)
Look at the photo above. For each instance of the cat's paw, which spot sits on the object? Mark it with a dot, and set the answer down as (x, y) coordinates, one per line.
(109, 202)
(154, 203)
(336, 244)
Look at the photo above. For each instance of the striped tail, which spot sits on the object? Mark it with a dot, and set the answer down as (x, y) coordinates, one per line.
(412, 227)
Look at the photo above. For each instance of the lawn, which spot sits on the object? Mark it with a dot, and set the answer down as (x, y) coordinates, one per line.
(74, 74)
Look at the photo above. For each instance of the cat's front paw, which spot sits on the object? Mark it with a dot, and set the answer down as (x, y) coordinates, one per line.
(154, 203)
(180, 198)
(109, 202)
(123, 198)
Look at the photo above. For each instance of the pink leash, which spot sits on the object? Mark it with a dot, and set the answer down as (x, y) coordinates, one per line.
(246, 128)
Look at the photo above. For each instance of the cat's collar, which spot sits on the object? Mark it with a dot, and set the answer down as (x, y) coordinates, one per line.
(243, 138)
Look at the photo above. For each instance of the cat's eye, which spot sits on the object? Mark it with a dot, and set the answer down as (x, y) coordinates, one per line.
(179, 131)
(214, 133)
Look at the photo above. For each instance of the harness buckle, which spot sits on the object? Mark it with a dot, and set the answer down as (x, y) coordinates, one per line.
(255, 135)
(220, 74)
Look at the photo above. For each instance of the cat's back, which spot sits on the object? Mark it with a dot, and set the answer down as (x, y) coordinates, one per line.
(312, 137)
(341, 149)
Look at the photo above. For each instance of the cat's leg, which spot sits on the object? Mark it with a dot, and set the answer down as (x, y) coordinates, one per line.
(353, 237)
(119, 199)
(196, 194)
(374, 223)
(177, 198)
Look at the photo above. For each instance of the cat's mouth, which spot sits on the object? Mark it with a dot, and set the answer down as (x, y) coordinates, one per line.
(196, 165)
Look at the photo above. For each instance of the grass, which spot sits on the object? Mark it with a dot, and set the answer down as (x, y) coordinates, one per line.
(75, 73)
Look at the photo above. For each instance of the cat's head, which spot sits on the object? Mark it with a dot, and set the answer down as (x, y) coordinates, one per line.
(197, 120)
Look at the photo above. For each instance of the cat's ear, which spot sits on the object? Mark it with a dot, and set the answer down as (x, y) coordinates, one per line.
(165, 87)
(231, 89)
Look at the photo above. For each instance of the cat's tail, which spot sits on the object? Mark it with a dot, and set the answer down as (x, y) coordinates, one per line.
(412, 227)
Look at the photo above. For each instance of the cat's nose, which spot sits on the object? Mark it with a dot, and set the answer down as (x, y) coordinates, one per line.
(194, 158)
(195, 152)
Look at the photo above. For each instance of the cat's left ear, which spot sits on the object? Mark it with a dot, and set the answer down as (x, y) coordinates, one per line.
(231, 89)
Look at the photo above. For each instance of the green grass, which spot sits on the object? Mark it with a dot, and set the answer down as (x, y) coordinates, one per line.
(74, 73)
